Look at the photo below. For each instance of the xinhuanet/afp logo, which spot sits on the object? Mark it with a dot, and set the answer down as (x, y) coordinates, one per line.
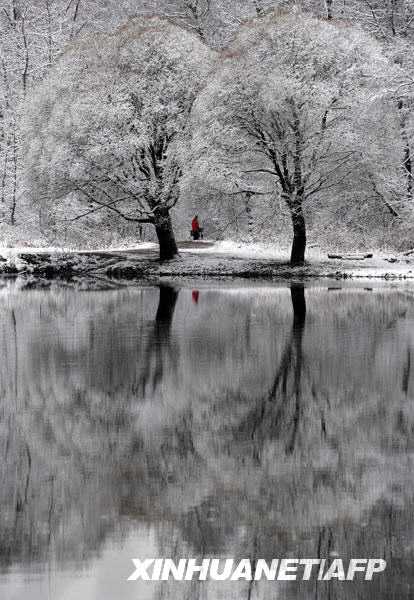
(283, 569)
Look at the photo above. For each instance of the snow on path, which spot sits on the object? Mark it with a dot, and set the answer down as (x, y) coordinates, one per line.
(228, 247)
(240, 250)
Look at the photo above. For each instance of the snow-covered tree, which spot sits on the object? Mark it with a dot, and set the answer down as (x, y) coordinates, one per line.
(282, 113)
(34, 34)
(109, 129)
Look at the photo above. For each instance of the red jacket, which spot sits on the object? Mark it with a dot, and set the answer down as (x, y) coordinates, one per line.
(195, 225)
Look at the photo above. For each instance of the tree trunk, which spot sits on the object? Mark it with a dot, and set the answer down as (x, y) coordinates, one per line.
(165, 235)
(297, 256)
(408, 162)
(329, 9)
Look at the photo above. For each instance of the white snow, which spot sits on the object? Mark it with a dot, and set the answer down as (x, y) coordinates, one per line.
(11, 252)
(139, 246)
(239, 249)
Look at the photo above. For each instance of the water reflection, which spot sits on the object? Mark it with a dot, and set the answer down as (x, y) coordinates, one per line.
(260, 422)
(160, 352)
(277, 412)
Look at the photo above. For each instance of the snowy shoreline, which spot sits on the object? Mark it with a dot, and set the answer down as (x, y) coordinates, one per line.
(205, 259)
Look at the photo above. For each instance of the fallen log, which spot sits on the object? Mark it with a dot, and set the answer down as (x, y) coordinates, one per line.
(350, 256)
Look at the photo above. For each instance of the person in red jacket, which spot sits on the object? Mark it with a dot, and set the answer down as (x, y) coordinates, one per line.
(196, 230)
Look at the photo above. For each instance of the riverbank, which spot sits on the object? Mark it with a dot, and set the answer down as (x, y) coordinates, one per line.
(197, 259)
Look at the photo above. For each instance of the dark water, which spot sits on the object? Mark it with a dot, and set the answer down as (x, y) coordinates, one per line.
(222, 420)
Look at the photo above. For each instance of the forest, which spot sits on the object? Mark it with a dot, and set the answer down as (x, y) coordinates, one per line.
(284, 121)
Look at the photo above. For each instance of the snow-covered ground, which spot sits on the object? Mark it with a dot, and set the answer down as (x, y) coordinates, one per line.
(241, 250)
(227, 247)
(208, 257)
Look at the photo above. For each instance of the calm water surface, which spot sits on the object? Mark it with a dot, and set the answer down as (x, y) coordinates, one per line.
(221, 420)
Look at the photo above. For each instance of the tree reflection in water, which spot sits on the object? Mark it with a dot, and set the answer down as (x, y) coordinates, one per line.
(277, 413)
(264, 422)
(160, 352)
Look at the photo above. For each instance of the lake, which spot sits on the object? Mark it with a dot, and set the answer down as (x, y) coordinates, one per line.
(205, 419)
